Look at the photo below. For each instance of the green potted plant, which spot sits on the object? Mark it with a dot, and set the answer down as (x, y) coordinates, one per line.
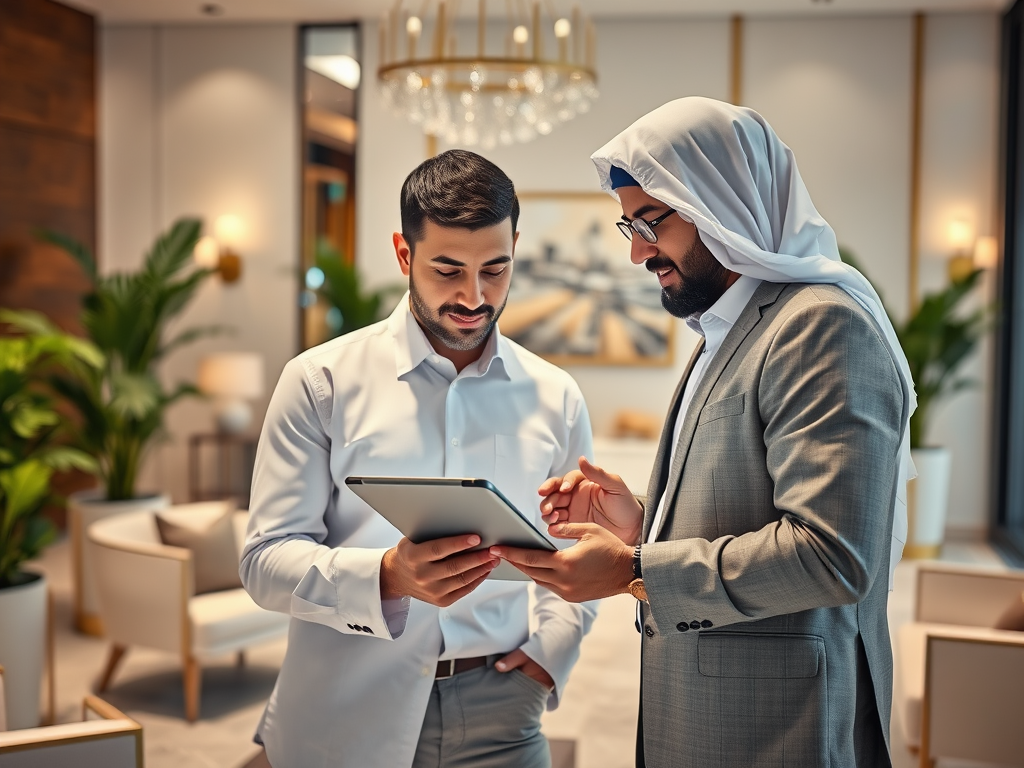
(33, 445)
(937, 338)
(350, 306)
(122, 404)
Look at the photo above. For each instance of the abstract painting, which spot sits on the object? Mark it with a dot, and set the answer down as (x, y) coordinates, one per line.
(576, 298)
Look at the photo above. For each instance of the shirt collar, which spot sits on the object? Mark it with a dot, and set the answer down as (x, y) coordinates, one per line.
(715, 324)
(413, 348)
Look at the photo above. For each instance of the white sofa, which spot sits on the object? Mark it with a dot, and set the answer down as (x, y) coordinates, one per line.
(147, 598)
(959, 685)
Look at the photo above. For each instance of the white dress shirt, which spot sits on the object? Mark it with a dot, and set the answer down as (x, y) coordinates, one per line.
(358, 672)
(714, 325)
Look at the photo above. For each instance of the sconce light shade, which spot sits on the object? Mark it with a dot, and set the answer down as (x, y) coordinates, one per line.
(232, 378)
(206, 253)
(960, 235)
(229, 231)
(986, 252)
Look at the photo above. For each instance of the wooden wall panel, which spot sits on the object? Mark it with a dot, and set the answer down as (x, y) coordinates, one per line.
(47, 162)
(47, 152)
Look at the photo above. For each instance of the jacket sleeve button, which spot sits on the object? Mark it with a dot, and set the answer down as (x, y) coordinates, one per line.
(694, 625)
(648, 631)
(367, 629)
(682, 626)
(706, 624)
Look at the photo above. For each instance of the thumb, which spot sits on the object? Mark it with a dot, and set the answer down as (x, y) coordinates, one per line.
(572, 530)
(603, 478)
(514, 660)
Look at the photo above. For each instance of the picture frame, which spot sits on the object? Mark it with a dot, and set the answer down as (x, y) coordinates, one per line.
(576, 299)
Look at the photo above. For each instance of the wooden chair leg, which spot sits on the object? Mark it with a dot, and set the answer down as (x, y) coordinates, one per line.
(240, 660)
(193, 682)
(114, 659)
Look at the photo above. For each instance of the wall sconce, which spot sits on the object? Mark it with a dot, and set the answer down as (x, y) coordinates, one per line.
(986, 252)
(960, 235)
(220, 251)
(232, 378)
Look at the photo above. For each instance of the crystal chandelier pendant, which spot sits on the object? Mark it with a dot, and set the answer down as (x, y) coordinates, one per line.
(510, 90)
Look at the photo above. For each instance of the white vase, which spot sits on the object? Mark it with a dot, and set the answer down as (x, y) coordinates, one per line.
(84, 509)
(928, 500)
(23, 649)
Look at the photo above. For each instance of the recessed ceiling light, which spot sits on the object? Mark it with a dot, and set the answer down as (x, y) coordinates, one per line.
(211, 9)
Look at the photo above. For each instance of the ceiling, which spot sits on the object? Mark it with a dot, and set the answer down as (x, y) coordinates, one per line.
(233, 11)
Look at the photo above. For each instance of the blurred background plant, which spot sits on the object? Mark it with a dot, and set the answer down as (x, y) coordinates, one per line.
(338, 284)
(125, 315)
(34, 435)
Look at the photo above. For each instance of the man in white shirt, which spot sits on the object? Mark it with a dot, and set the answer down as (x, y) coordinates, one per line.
(402, 654)
(776, 505)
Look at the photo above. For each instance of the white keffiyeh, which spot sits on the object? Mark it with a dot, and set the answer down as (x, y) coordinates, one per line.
(723, 169)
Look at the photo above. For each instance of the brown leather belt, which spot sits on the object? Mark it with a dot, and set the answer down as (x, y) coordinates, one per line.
(452, 667)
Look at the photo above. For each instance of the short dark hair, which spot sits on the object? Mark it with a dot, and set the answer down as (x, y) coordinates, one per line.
(456, 189)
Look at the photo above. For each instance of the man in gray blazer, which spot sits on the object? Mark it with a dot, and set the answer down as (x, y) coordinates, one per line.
(762, 552)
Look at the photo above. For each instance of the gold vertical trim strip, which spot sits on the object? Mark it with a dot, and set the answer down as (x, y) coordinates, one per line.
(916, 95)
(736, 51)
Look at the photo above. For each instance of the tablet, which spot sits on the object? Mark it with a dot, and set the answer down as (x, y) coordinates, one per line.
(425, 508)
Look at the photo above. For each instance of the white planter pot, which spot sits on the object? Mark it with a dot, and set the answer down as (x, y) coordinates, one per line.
(927, 501)
(84, 509)
(23, 650)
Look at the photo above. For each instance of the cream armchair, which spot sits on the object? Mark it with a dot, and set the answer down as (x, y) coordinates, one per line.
(105, 737)
(147, 598)
(959, 684)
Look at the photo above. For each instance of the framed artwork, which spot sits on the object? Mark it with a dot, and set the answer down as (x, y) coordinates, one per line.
(576, 298)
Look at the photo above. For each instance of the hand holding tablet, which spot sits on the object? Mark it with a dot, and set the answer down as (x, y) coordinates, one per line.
(435, 508)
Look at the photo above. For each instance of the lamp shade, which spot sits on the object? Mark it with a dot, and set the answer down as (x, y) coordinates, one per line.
(232, 375)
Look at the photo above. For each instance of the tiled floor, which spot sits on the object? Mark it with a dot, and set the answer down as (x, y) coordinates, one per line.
(598, 710)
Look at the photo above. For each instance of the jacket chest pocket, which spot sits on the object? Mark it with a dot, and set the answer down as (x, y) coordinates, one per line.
(521, 464)
(727, 406)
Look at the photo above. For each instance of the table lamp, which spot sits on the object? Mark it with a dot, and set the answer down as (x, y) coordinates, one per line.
(233, 379)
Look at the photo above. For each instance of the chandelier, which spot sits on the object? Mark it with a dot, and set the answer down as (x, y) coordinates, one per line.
(502, 87)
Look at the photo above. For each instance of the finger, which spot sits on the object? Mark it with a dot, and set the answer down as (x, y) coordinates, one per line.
(458, 594)
(467, 576)
(439, 549)
(549, 486)
(514, 660)
(605, 479)
(573, 530)
(533, 558)
(555, 515)
(573, 478)
(460, 565)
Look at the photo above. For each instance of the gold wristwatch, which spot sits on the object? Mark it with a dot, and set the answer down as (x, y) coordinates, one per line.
(637, 589)
(636, 586)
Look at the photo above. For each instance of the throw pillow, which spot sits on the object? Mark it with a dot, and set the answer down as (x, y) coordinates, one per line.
(1013, 616)
(214, 554)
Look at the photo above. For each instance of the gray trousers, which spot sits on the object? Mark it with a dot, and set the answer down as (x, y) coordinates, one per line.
(484, 719)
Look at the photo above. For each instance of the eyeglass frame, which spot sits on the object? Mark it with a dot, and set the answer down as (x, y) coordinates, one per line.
(628, 226)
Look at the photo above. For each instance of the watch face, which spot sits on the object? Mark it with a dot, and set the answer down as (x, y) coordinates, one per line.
(637, 589)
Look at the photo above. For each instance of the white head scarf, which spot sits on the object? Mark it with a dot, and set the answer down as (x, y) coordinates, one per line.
(723, 168)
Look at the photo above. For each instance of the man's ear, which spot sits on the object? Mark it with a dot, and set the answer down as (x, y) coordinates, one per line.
(402, 252)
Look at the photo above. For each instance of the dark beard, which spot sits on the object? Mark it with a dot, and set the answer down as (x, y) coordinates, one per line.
(704, 280)
(460, 339)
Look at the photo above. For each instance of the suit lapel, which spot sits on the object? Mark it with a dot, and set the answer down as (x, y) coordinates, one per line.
(657, 482)
(765, 295)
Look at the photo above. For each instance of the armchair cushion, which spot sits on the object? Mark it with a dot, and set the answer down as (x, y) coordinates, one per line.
(212, 543)
(229, 620)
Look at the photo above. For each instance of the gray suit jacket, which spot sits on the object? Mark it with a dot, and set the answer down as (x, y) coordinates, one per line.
(765, 639)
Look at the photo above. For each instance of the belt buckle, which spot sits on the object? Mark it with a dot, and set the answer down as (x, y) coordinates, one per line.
(451, 669)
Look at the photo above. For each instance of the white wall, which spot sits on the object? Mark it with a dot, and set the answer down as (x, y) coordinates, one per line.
(202, 121)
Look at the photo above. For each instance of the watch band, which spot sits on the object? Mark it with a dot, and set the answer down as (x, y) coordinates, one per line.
(637, 572)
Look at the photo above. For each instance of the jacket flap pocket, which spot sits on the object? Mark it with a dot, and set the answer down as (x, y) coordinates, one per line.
(759, 656)
(728, 406)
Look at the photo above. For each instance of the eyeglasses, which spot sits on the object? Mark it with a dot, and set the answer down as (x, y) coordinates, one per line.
(642, 227)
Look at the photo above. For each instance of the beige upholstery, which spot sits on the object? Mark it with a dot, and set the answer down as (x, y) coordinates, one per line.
(3, 702)
(146, 596)
(105, 739)
(959, 688)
